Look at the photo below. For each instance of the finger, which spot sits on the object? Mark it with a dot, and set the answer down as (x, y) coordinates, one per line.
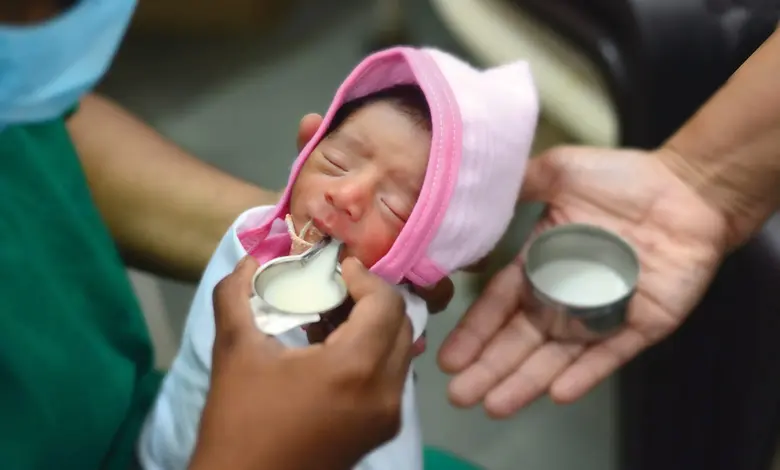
(596, 364)
(438, 296)
(516, 341)
(375, 331)
(419, 346)
(541, 176)
(482, 320)
(400, 356)
(373, 325)
(360, 282)
(308, 127)
(531, 379)
(232, 313)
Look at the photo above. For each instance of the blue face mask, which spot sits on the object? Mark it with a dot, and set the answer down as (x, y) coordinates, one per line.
(46, 68)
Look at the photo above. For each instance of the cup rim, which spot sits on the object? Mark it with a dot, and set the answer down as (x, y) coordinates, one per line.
(615, 240)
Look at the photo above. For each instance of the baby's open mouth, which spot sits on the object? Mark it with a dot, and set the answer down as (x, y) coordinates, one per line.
(305, 238)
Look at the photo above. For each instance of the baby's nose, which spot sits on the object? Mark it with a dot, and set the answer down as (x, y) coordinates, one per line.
(350, 197)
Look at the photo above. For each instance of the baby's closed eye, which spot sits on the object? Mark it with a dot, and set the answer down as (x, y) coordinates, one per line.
(395, 210)
(334, 162)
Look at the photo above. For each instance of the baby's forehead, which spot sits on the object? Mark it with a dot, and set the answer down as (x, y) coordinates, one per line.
(379, 119)
(381, 111)
(354, 140)
(388, 131)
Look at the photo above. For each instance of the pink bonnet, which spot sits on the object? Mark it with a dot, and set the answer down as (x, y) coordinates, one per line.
(483, 123)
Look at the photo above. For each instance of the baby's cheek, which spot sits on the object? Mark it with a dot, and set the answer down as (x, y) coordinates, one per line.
(371, 248)
(358, 252)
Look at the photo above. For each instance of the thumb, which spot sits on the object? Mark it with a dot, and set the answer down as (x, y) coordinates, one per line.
(232, 314)
(306, 130)
(543, 175)
(360, 282)
(377, 317)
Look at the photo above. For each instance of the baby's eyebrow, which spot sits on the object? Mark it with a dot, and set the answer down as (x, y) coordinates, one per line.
(354, 144)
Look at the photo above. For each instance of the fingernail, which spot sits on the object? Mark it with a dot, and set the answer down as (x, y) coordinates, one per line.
(565, 389)
(456, 353)
(501, 404)
(419, 346)
(463, 391)
(359, 263)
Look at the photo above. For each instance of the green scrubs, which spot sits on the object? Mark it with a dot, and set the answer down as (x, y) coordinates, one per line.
(76, 364)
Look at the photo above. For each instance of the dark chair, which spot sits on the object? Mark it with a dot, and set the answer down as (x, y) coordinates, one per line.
(708, 397)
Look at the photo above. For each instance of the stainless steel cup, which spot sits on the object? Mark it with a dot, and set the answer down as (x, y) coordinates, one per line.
(587, 312)
(272, 320)
(276, 267)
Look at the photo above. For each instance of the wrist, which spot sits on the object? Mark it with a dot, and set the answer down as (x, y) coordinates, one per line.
(293, 459)
(272, 448)
(728, 152)
(744, 197)
(217, 459)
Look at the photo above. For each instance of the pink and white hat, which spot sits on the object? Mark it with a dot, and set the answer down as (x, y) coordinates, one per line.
(483, 123)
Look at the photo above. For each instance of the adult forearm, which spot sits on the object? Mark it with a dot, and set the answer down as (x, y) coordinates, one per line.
(730, 150)
(276, 456)
(166, 209)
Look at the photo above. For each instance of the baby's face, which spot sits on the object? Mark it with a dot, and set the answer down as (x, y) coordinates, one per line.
(360, 183)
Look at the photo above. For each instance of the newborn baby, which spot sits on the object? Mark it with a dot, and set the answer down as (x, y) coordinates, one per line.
(416, 168)
(360, 184)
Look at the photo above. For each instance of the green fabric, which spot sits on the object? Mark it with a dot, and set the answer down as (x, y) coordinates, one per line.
(76, 365)
(437, 459)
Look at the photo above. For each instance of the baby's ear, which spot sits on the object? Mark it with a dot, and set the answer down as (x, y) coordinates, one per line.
(308, 127)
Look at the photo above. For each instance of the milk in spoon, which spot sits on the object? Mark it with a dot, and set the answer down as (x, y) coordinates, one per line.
(307, 289)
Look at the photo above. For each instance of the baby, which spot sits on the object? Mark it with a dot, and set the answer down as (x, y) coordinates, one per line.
(416, 168)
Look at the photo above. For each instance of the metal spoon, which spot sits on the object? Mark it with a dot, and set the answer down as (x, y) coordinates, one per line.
(274, 268)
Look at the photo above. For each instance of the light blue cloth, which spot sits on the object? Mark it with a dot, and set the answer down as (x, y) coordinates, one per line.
(169, 434)
(46, 68)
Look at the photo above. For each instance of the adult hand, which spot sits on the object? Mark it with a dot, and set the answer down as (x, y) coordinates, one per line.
(497, 354)
(438, 296)
(265, 406)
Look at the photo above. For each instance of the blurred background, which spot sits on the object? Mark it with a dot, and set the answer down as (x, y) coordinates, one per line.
(230, 80)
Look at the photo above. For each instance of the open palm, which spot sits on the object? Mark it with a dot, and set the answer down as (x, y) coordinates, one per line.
(498, 356)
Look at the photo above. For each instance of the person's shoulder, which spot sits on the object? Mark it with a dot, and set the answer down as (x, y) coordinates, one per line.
(46, 143)
(43, 130)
